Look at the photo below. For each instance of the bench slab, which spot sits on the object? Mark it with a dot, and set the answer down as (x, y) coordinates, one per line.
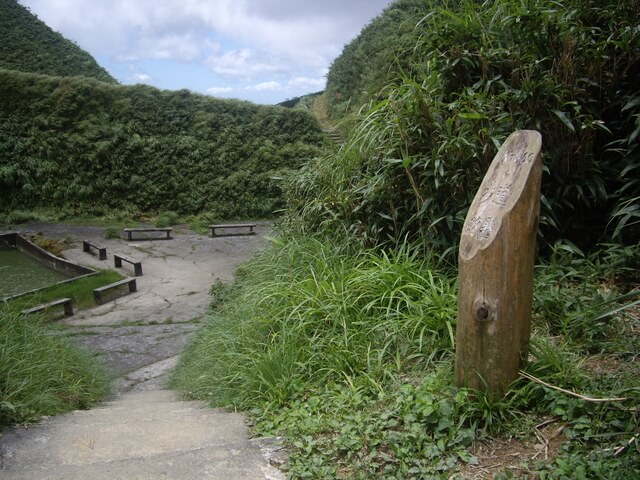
(130, 231)
(97, 292)
(250, 226)
(137, 265)
(87, 245)
(65, 302)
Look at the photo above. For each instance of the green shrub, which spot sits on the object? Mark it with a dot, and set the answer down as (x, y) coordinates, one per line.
(464, 78)
(16, 217)
(200, 223)
(166, 219)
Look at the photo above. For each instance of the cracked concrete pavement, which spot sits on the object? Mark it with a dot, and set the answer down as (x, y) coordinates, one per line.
(140, 336)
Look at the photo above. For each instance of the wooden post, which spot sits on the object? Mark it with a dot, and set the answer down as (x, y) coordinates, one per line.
(495, 278)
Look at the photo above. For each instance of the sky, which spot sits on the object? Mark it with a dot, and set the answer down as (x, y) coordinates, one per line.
(264, 51)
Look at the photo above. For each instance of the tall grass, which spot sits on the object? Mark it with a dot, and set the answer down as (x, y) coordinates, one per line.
(456, 86)
(307, 313)
(42, 374)
(348, 353)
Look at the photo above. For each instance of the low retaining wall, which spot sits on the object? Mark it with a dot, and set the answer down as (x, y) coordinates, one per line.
(66, 267)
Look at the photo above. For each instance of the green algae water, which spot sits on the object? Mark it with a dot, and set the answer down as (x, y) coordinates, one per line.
(20, 273)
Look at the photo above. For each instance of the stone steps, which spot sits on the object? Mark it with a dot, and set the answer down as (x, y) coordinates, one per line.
(334, 135)
(140, 435)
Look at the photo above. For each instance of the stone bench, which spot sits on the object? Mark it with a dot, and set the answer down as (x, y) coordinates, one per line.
(137, 265)
(87, 245)
(233, 226)
(130, 231)
(98, 292)
(65, 302)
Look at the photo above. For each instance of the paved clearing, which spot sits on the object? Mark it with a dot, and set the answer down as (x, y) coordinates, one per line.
(144, 432)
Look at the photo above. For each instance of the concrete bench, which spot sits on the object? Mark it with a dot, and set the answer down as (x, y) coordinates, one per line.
(65, 302)
(98, 292)
(232, 226)
(137, 265)
(87, 245)
(129, 231)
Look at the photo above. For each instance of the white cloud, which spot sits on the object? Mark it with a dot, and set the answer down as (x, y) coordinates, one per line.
(184, 48)
(244, 63)
(310, 30)
(143, 78)
(306, 83)
(270, 86)
(251, 42)
(219, 90)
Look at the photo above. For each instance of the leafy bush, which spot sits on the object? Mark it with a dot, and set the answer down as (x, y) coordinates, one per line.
(464, 79)
(200, 222)
(166, 219)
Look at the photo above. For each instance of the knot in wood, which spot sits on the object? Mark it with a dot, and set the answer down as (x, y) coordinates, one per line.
(482, 311)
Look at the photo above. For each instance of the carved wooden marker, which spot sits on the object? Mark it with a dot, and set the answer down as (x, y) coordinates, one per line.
(496, 257)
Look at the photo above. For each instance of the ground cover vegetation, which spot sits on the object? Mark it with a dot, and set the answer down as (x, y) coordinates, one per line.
(43, 374)
(340, 336)
(80, 291)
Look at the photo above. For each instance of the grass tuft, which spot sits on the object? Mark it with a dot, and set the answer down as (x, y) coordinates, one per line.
(42, 374)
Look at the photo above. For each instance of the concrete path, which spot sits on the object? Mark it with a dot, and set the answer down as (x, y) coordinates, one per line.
(144, 431)
(139, 436)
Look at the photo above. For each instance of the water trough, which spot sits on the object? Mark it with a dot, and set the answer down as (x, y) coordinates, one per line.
(58, 270)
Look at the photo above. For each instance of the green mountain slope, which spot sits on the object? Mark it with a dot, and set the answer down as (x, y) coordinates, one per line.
(440, 84)
(371, 59)
(28, 45)
(79, 145)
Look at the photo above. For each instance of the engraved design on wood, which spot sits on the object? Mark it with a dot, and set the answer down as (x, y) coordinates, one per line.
(499, 190)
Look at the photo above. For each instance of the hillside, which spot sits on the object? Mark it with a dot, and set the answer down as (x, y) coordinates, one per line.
(29, 45)
(439, 85)
(83, 146)
(302, 102)
(375, 56)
